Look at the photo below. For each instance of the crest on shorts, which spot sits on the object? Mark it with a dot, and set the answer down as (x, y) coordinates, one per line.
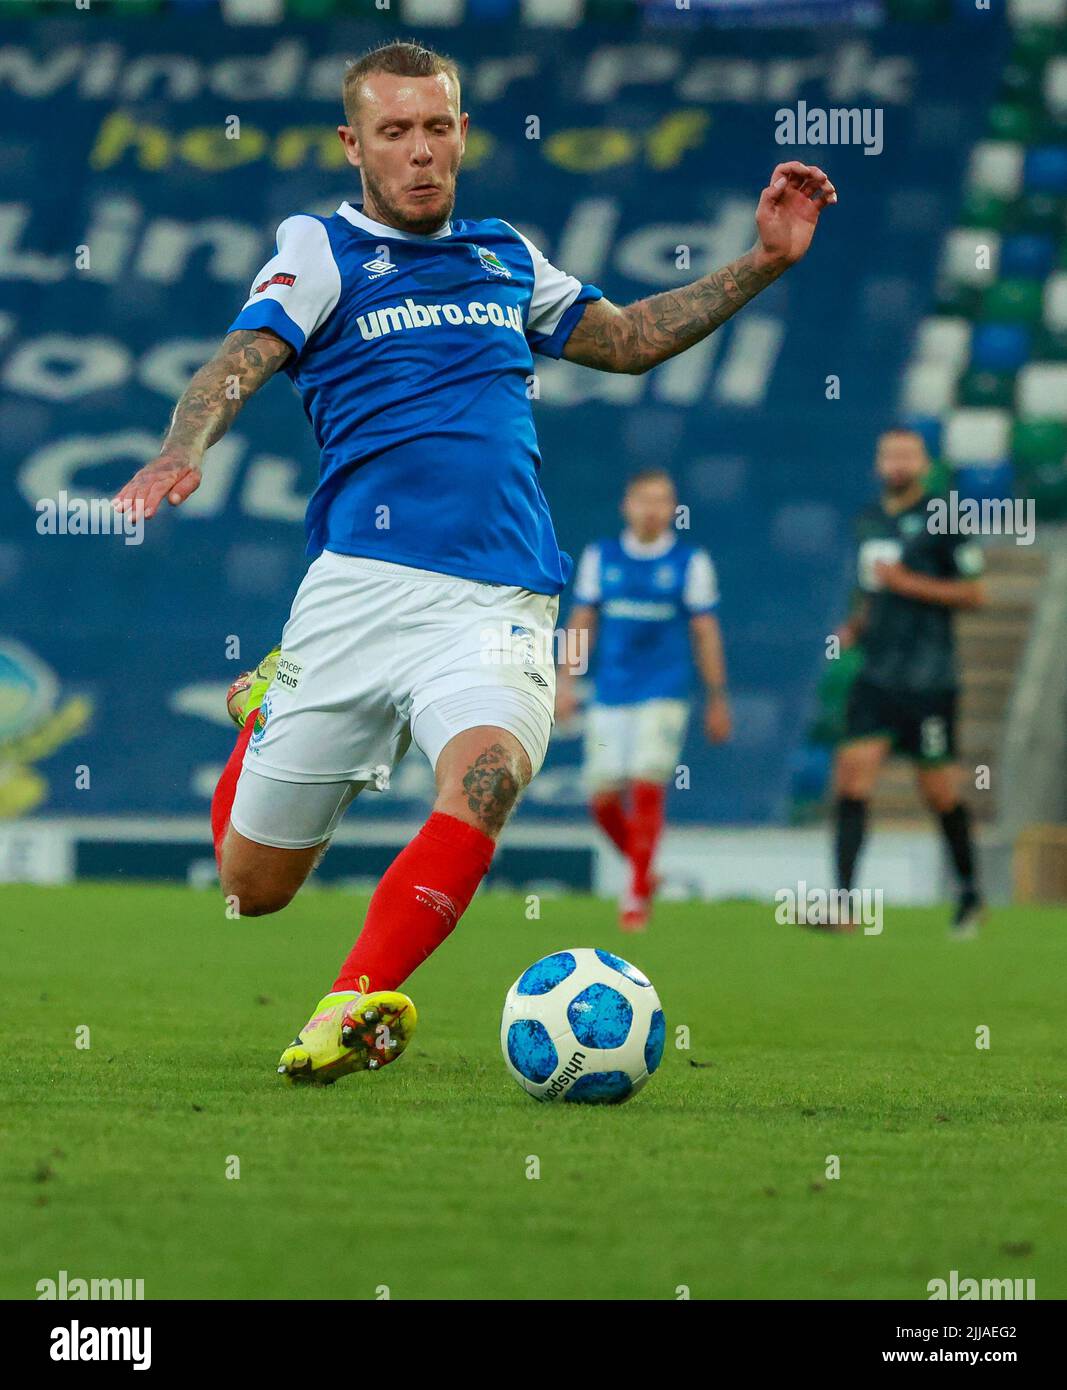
(262, 715)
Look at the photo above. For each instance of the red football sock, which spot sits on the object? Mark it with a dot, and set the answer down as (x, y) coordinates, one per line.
(222, 801)
(419, 899)
(610, 814)
(646, 825)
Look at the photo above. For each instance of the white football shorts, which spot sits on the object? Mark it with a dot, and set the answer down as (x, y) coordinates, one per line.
(375, 655)
(641, 742)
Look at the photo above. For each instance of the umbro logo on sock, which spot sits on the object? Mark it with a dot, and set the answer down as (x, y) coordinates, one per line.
(440, 902)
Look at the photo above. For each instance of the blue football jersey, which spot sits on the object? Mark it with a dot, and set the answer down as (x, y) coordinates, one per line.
(413, 356)
(645, 593)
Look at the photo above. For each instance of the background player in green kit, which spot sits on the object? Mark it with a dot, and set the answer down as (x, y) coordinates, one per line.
(911, 582)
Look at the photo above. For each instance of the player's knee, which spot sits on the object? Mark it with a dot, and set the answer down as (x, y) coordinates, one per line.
(941, 800)
(254, 896)
(851, 780)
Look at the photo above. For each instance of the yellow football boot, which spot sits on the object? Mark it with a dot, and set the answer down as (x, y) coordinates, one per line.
(248, 689)
(349, 1032)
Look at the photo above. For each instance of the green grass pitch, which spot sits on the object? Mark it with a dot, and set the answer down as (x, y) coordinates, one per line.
(114, 1158)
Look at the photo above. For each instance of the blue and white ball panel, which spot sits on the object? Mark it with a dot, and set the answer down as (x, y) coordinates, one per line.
(601, 1088)
(531, 1051)
(600, 1017)
(624, 968)
(657, 1036)
(546, 974)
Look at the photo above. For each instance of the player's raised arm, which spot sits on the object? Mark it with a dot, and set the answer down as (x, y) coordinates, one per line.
(208, 406)
(635, 337)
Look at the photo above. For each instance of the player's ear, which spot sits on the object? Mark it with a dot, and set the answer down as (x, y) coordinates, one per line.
(348, 138)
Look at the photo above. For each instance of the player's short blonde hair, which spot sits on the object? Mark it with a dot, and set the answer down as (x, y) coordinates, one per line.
(400, 59)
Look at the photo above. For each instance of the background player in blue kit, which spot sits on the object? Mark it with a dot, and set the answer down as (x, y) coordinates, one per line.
(410, 338)
(649, 600)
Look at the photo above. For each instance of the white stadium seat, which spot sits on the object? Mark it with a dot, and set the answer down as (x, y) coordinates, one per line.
(996, 167)
(1055, 301)
(977, 435)
(1041, 391)
(944, 339)
(929, 388)
(960, 255)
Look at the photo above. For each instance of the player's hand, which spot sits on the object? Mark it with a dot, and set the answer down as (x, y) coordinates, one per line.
(718, 722)
(788, 210)
(566, 700)
(174, 476)
(846, 635)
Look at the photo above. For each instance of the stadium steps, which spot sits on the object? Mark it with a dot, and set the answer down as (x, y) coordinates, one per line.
(991, 643)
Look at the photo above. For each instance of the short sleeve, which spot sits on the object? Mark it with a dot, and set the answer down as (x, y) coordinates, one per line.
(297, 290)
(557, 303)
(587, 579)
(700, 593)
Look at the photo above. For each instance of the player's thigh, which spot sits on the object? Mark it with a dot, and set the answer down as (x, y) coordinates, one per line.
(857, 765)
(610, 734)
(329, 714)
(870, 727)
(480, 773)
(278, 831)
(478, 681)
(660, 734)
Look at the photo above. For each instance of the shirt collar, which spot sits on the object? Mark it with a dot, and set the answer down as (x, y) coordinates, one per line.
(647, 550)
(379, 229)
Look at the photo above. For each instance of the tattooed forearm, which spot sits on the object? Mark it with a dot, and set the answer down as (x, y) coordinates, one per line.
(641, 335)
(492, 784)
(210, 402)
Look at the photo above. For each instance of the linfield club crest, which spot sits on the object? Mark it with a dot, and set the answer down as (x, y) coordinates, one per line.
(492, 263)
(34, 722)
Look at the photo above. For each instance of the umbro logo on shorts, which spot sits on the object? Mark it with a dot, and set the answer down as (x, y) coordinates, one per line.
(440, 902)
(378, 268)
(536, 677)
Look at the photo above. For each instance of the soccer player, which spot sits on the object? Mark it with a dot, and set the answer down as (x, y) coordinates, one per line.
(911, 582)
(648, 599)
(409, 335)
